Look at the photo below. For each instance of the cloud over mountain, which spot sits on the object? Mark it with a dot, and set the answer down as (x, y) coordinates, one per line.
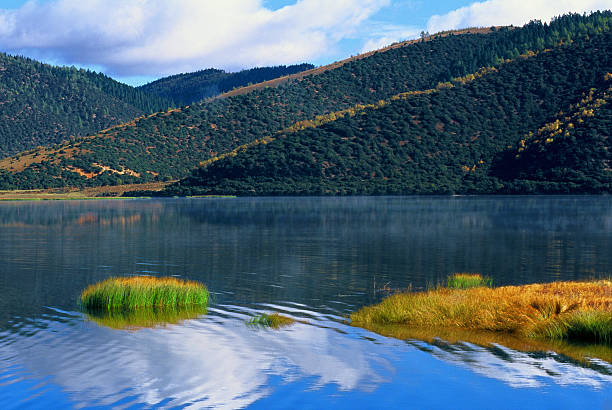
(516, 12)
(153, 37)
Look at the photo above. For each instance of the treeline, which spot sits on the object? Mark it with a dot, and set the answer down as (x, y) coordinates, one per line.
(43, 104)
(469, 136)
(185, 89)
(169, 145)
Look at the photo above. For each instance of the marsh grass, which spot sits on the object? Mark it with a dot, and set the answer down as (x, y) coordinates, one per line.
(573, 311)
(140, 292)
(272, 320)
(468, 280)
(589, 327)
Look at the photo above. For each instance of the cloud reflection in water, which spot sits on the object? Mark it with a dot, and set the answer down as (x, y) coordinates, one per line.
(524, 370)
(219, 361)
(211, 361)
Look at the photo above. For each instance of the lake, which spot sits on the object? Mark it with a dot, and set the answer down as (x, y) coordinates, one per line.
(312, 259)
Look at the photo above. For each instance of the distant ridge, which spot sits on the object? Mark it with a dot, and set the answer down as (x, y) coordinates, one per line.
(185, 89)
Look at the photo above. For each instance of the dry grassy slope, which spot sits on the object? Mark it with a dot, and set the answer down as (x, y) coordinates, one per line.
(67, 149)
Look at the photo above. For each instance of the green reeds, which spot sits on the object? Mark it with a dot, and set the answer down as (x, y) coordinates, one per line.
(138, 292)
(588, 327)
(572, 311)
(273, 320)
(468, 280)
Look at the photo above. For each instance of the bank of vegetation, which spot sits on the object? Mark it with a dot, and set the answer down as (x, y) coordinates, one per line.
(571, 311)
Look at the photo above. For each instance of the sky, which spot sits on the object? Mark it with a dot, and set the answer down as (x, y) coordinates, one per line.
(136, 41)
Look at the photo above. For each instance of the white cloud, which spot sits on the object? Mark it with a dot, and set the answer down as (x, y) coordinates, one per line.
(388, 34)
(154, 37)
(516, 12)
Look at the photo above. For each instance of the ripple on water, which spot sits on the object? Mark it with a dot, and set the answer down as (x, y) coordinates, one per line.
(217, 360)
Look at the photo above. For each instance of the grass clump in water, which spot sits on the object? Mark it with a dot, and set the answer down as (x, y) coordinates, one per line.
(572, 311)
(143, 292)
(468, 280)
(272, 320)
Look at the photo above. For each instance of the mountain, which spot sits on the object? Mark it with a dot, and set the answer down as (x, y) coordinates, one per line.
(454, 138)
(170, 145)
(43, 104)
(185, 89)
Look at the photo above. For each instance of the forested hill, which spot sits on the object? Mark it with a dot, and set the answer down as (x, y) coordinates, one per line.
(538, 124)
(43, 104)
(185, 89)
(570, 153)
(170, 145)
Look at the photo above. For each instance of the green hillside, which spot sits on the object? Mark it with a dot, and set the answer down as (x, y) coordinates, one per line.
(572, 153)
(170, 145)
(452, 139)
(185, 89)
(42, 104)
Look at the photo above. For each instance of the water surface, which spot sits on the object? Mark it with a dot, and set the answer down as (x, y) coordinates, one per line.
(313, 259)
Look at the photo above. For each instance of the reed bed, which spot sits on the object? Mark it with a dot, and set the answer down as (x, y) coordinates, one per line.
(573, 311)
(143, 292)
(272, 320)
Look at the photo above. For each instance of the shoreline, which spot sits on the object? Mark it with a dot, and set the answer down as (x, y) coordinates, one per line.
(86, 193)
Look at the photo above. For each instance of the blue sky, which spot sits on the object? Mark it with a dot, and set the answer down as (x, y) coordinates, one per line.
(136, 41)
(410, 12)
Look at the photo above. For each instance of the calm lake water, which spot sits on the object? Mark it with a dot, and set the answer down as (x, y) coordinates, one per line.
(313, 259)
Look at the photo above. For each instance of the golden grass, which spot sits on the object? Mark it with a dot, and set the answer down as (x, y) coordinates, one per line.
(559, 310)
(138, 292)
